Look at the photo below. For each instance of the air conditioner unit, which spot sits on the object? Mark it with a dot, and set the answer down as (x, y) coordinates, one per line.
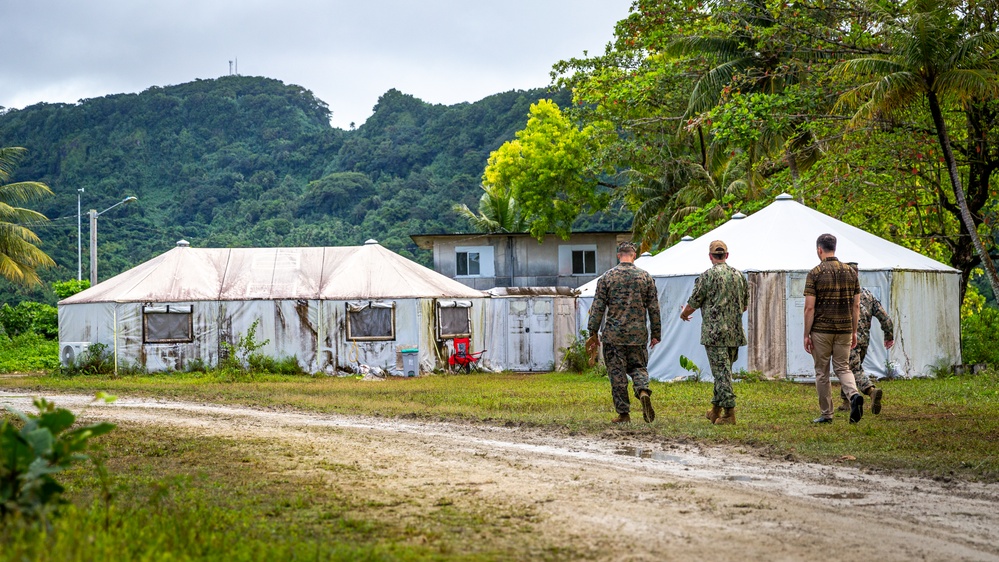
(70, 351)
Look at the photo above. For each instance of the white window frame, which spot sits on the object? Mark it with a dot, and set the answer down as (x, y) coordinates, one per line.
(486, 260)
(565, 252)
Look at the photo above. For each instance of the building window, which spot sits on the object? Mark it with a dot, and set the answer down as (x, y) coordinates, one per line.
(584, 262)
(370, 321)
(468, 263)
(473, 261)
(169, 323)
(577, 259)
(453, 319)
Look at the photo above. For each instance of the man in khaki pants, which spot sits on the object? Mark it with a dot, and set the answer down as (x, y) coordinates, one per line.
(832, 309)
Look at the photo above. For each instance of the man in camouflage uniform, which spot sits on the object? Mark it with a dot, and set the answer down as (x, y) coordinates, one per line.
(870, 307)
(626, 295)
(722, 294)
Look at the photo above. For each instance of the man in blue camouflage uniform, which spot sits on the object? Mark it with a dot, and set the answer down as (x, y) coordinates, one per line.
(626, 296)
(870, 307)
(722, 294)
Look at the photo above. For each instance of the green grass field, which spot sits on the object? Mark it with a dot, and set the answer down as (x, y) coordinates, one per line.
(178, 495)
(939, 427)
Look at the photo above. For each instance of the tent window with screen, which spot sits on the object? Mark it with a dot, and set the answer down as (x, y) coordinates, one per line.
(453, 319)
(167, 324)
(370, 321)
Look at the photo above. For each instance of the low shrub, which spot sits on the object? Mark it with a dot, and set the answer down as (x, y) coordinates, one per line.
(574, 358)
(978, 336)
(259, 363)
(28, 352)
(96, 360)
(36, 447)
(28, 317)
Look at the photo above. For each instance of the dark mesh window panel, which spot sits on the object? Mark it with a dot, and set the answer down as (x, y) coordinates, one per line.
(454, 322)
(167, 327)
(371, 324)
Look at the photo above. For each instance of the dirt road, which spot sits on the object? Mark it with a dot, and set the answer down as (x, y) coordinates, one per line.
(616, 498)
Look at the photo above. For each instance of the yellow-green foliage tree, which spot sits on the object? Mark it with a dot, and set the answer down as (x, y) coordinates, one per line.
(547, 170)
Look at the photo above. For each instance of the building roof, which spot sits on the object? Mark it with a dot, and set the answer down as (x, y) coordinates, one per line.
(426, 241)
(328, 273)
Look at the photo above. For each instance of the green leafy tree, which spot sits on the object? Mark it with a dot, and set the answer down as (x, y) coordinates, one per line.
(65, 289)
(547, 170)
(20, 257)
(934, 55)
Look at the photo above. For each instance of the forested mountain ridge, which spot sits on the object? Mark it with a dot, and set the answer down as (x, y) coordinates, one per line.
(251, 161)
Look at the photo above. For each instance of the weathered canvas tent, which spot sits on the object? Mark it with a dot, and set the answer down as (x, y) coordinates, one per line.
(331, 308)
(775, 248)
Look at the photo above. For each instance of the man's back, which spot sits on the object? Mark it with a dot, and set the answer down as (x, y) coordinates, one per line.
(834, 285)
(628, 296)
(722, 294)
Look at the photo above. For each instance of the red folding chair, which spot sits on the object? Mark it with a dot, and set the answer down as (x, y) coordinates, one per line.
(462, 358)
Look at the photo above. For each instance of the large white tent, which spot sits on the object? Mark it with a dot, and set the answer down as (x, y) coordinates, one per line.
(331, 308)
(775, 248)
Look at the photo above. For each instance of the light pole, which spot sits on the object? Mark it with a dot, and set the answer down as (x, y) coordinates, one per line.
(93, 237)
(79, 237)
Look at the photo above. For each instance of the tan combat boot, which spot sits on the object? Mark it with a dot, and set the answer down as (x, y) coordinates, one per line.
(728, 418)
(875, 393)
(622, 418)
(714, 413)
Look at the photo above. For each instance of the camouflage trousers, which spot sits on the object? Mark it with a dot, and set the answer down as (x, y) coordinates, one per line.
(721, 358)
(864, 383)
(623, 361)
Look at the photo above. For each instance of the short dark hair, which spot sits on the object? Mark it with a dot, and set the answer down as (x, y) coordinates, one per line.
(627, 248)
(827, 242)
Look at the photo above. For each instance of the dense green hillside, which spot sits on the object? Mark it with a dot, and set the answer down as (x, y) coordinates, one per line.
(249, 161)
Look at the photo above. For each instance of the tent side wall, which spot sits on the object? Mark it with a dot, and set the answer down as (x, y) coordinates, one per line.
(767, 328)
(926, 309)
(119, 326)
(337, 352)
(285, 328)
(87, 322)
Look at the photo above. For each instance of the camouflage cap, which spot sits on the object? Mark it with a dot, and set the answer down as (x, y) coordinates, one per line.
(718, 248)
(625, 247)
(854, 265)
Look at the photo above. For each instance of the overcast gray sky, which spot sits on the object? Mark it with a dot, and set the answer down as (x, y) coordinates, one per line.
(347, 52)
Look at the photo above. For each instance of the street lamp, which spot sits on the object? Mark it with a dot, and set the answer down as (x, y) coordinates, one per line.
(79, 237)
(93, 237)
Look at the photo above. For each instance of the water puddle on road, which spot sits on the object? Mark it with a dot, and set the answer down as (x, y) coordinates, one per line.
(643, 453)
(841, 496)
(738, 478)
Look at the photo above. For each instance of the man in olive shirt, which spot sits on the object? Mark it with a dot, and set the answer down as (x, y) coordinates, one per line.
(628, 296)
(722, 294)
(832, 310)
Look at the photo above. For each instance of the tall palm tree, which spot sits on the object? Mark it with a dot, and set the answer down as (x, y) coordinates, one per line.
(933, 56)
(498, 212)
(685, 188)
(20, 257)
